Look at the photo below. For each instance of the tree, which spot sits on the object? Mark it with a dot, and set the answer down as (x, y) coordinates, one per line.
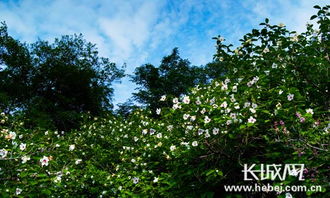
(15, 72)
(56, 82)
(127, 108)
(173, 77)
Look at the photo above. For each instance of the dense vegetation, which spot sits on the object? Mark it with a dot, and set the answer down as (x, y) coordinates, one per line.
(53, 84)
(269, 104)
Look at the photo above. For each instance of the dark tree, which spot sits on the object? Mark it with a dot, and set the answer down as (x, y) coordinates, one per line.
(15, 72)
(126, 108)
(55, 82)
(174, 77)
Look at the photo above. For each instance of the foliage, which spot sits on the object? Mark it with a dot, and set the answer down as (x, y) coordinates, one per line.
(270, 107)
(55, 82)
(174, 77)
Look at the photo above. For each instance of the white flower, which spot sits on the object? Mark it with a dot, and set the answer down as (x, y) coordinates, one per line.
(207, 120)
(290, 97)
(255, 79)
(224, 87)
(158, 111)
(170, 127)
(221, 39)
(144, 131)
(207, 135)
(176, 106)
(78, 161)
(198, 102)
(163, 98)
(254, 105)
(135, 139)
(22, 146)
(229, 122)
(310, 111)
(185, 116)
(274, 65)
(215, 131)
(251, 120)
(57, 145)
(227, 80)
(232, 98)
(247, 104)
(234, 89)
(194, 143)
(155, 179)
(135, 180)
(44, 161)
(192, 118)
(11, 135)
(288, 195)
(280, 92)
(172, 148)
(159, 135)
(152, 131)
(18, 191)
(175, 100)
(237, 52)
(295, 38)
(25, 159)
(3, 153)
(186, 100)
(58, 179)
(72, 147)
(266, 50)
(133, 160)
(252, 110)
(224, 104)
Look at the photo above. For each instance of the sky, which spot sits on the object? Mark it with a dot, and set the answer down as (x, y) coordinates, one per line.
(136, 32)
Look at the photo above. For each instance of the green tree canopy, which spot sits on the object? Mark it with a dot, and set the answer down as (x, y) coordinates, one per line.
(55, 82)
(174, 77)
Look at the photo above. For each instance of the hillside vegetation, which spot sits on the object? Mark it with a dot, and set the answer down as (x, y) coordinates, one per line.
(270, 107)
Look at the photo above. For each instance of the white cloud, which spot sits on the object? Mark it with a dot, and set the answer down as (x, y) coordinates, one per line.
(141, 31)
(294, 14)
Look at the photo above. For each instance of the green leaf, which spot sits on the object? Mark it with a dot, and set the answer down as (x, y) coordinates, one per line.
(313, 17)
(209, 172)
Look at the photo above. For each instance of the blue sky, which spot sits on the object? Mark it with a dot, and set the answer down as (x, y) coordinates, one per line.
(136, 32)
